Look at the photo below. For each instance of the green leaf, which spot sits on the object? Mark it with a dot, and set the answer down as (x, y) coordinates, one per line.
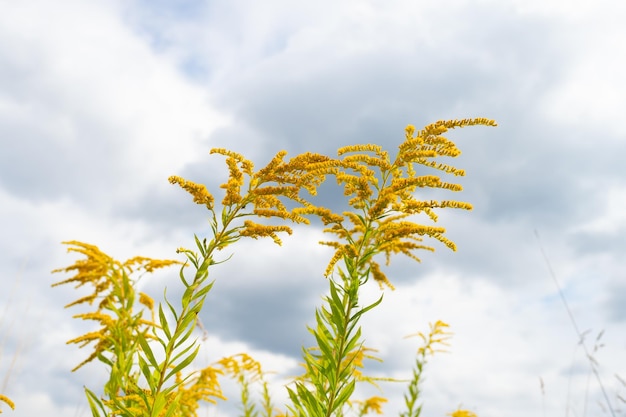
(173, 407)
(366, 309)
(181, 353)
(159, 404)
(324, 345)
(147, 350)
(181, 275)
(95, 404)
(172, 309)
(184, 329)
(183, 364)
(164, 324)
(147, 373)
(202, 272)
(353, 341)
(201, 245)
(344, 395)
(204, 290)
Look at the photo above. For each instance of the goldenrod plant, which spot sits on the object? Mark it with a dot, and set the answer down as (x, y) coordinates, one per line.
(149, 350)
(431, 343)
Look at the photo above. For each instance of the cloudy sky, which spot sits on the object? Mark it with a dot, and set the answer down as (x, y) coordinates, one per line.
(101, 101)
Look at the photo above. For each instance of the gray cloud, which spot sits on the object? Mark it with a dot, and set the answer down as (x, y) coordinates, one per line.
(74, 164)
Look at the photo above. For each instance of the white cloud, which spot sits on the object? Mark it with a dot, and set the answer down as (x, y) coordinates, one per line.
(98, 91)
(97, 108)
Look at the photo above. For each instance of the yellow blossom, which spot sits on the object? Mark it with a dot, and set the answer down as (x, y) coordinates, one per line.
(241, 363)
(198, 191)
(105, 319)
(462, 413)
(372, 404)
(146, 300)
(379, 276)
(255, 230)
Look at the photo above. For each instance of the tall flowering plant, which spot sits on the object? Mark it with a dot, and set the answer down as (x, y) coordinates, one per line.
(148, 349)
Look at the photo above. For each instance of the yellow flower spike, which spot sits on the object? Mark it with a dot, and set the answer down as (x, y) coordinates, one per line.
(233, 192)
(339, 253)
(146, 300)
(7, 401)
(373, 404)
(380, 277)
(199, 192)
(149, 264)
(104, 319)
(255, 231)
(438, 335)
(236, 156)
(266, 172)
(88, 337)
(359, 148)
(111, 284)
(87, 299)
(326, 215)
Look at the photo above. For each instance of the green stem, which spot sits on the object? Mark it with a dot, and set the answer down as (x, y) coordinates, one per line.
(340, 355)
(194, 305)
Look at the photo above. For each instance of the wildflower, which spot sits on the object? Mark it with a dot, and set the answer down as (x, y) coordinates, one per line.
(198, 191)
(111, 283)
(462, 413)
(146, 300)
(255, 230)
(203, 386)
(241, 363)
(374, 404)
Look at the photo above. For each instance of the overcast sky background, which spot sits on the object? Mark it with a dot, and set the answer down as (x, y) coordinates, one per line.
(101, 101)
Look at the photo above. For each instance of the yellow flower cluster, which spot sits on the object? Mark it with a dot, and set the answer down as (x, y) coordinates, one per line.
(199, 192)
(266, 190)
(382, 196)
(372, 404)
(240, 364)
(439, 334)
(202, 386)
(381, 193)
(110, 283)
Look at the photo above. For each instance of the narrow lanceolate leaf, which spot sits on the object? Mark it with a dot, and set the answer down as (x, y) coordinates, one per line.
(164, 324)
(203, 271)
(147, 350)
(181, 275)
(368, 308)
(204, 290)
(184, 330)
(159, 404)
(344, 395)
(187, 296)
(354, 341)
(171, 307)
(323, 343)
(335, 295)
(173, 407)
(182, 353)
(200, 246)
(95, 404)
(183, 364)
(312, 404)
(336, 318)
(147, 373)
